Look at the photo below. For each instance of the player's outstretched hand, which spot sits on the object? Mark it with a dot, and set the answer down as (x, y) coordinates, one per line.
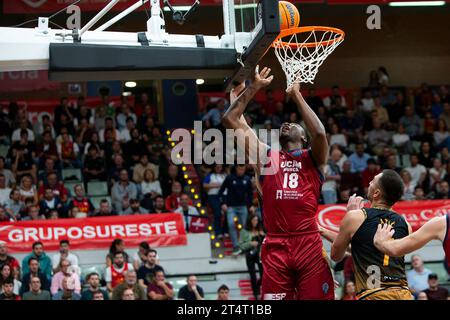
(355, 203)
(384, 233)
(263, 78)
(295, 87)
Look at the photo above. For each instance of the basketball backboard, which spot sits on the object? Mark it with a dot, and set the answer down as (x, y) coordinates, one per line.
(94, 53)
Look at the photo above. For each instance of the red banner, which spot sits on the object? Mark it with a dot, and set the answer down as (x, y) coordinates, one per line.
(417, 213)
(26, 81)
(159, 230)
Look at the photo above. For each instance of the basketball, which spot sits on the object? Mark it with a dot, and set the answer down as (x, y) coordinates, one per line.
(289, 15)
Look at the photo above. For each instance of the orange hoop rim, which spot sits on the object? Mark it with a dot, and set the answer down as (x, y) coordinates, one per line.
(288, 32)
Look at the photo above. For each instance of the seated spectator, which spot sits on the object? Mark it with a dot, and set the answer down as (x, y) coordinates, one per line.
(426, 155)
(147, 271)
(223, 293)
(125, 134)
(410, 186)
(369, 173)
(49, 167)
(8, 291)
(36, 292)
(6, 259)
(55, 186)
(95, 142)
(116, 246)
(417, 171)
(10, 180)
(7, 273)
(159, 205)
(33, 270)
(418, 275)
(150, 186)
(28, 190)
(65, 272)
(22, 162)
(23, 127)
(4, 215)
(134, 208)
(331, 99)
(115, 274)
(68, 151)
(173, 200)
(350, 180)
(134, 148)
(359, 159)
(125, 114)
(167, 180)
(47, 149)
(68, 290)
(45, 264)
(128, 294)
(159, 289)
(191, 291)
(436, 174)
(109, 127)
(94, 166)
(15, 206)
(349, 291)
(83, 134)
(435, 291)
(412, 123)
(444, 191)
(441, 133)
(115, 168)
(65, 254)
(93, 280)
(50, 203)
(105, 210)
(445, 115)
(80, 201)
(401, 140)
(367, 103)
(188, 211)
(381, 113)
(419, 194)
(4, 190)
(378, 138)
(122, 192)
(141, 167)
(129, 283)
(33, 213)
(422, 296)
(140, 257)
(391, 163)
(337, 137)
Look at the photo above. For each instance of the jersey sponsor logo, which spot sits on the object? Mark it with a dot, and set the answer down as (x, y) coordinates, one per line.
(279, 195)
(291, 164)
(274, 296)
(325, 288)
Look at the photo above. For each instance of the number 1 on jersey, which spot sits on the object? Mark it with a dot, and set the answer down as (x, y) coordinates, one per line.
(291, 180)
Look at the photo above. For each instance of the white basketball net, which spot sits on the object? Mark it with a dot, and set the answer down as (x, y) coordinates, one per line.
(301, 63)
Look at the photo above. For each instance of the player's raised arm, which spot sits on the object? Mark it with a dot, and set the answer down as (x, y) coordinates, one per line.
(432, 230)
(240, 96)
(319, 142)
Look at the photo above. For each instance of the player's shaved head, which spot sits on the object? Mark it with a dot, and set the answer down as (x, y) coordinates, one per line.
(292, 132)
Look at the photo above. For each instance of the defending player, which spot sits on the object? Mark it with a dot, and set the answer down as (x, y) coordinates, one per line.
(292, 257)
(378, 276)
(435, 229)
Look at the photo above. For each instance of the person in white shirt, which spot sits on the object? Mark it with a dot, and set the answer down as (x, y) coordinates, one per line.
(212, 184)
(437, 173)
(410, 186)
(4, 191)
(401, 140)
(337, 137)
(125, 134)
(331, 100)
(186, 210)
(418, 276)
(417, 171)
(367, 103)
(150, 186)
(17, 133)
(64, 253)
(115, 274)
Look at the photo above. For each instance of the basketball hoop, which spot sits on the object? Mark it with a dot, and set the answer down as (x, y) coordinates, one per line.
(301, 51)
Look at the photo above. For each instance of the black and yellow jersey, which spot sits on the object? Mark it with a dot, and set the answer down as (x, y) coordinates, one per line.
(373, 269)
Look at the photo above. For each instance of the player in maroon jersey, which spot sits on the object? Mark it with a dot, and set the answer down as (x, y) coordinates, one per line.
(436, 229)
(295, 266)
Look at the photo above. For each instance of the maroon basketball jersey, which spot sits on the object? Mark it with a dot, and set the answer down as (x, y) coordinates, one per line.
(291, 195)
(446, 242)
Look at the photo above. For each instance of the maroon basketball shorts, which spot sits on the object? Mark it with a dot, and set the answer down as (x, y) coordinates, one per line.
(295, 268)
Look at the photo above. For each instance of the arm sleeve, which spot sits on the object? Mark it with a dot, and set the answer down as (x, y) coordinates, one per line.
(108, 276)
(244, 240)
(222, 189)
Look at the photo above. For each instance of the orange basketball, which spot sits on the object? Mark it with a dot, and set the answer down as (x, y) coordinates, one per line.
(289, 15)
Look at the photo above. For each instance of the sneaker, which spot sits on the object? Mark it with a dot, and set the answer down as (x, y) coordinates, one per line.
(236, 252)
